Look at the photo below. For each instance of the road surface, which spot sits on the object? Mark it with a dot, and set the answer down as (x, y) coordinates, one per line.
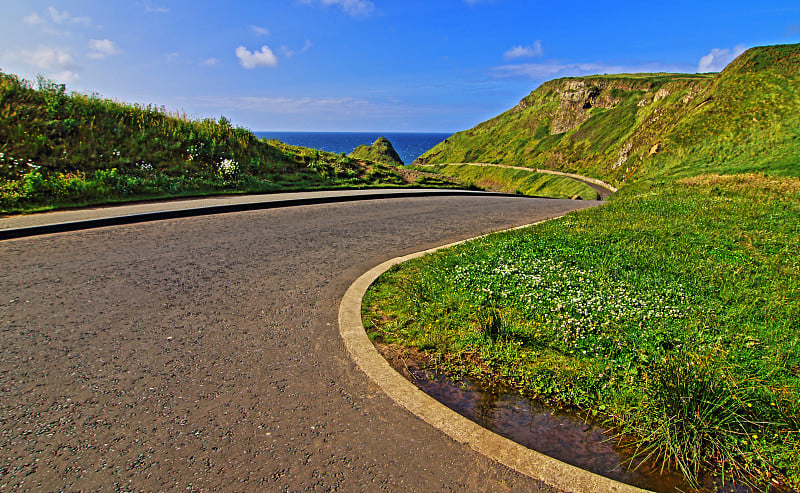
(202, 353)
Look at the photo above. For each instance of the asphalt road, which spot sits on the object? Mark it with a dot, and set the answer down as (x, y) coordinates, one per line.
(202, 353)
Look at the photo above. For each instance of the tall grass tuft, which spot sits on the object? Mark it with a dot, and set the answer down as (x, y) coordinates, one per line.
(698, 418)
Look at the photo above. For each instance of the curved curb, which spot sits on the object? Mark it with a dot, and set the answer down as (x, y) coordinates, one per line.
(533, 464)
(167, 213)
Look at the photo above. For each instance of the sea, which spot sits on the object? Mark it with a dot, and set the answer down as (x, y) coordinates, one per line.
(409, 146)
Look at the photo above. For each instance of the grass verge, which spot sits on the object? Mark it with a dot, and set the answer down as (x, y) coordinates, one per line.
(60, 149)
(672, 312)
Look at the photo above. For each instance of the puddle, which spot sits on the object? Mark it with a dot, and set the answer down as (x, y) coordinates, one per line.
(554, 433)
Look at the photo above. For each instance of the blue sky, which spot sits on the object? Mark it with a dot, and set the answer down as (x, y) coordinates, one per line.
(367, 65)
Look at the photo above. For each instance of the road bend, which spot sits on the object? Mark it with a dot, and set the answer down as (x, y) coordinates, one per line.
(203, 354)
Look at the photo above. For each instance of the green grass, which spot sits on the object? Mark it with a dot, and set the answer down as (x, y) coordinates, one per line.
(516, 181)
(63, 150)
(672, 312)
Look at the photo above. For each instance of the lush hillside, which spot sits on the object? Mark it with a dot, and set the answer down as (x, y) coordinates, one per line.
(628, 127)
(61, 149)
(673, 311)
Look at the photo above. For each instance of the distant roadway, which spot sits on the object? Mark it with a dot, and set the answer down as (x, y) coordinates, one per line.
(202, 353)
(604, 189)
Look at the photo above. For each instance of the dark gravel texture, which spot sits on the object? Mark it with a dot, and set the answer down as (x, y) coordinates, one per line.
(203, 354)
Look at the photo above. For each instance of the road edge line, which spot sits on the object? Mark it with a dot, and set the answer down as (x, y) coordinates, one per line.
(140, 217)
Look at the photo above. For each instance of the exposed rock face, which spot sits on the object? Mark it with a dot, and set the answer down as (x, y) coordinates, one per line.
(576, 98)
(381, 151)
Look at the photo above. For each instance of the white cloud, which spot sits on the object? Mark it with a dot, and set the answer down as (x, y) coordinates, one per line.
(49, 58)
(718, 59)
(209, 62)
(58, 17)
(54, 63)
(356, 8)
(102, 48)
(533, 51)
(65, 17)
(33, 19)
(263, 58)
(48, 21)
(64, 77)
(553, 69)
(171, 57)
(261, 31)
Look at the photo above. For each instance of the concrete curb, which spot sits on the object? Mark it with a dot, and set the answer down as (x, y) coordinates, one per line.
(538, 466)
(258, 203)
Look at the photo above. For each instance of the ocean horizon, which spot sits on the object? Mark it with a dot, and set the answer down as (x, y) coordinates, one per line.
(409, 145)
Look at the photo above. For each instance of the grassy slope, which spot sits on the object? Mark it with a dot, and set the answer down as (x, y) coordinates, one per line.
(381, 151)
(551, 129)
(59, 149)
(673, 311)
(650, 125)
(517, 181)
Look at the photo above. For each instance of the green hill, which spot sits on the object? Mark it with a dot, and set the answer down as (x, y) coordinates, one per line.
(381, 151)
(59, 149)
(623, 128)
(672, 312)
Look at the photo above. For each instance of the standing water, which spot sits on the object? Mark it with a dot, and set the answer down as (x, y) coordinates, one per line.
(557, 434)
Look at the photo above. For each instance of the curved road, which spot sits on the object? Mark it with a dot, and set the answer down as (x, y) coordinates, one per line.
(202, 353)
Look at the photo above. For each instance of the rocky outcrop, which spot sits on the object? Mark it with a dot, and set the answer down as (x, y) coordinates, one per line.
(381, 151)
(576, 98)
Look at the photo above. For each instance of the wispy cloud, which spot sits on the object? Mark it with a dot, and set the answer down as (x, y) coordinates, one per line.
(53, 62)
(63, 77)
(355, 8)
(153, 9)
(49, 58)
(102, 48)
(289, 53)
(33, 19)
(252, 59)
(553, 69)
(718, 59)
(533, 51)
(65, 17)
(261, 31)
(54, 21)
(209, 62)
(322, 107)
